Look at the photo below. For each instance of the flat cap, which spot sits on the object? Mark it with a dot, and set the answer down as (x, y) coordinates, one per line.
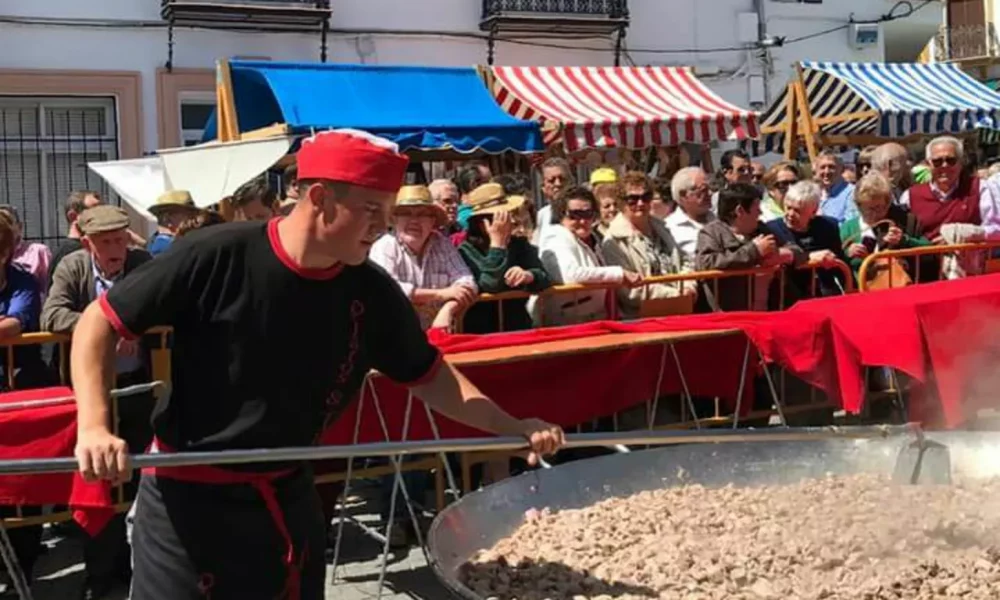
(102, 218)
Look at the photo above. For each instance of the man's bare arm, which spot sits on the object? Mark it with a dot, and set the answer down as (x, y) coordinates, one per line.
(100, 454)
(9, 327)
(454, 396)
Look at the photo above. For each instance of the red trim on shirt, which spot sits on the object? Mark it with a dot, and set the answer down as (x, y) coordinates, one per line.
(288, 261)
(432, 371)
(112, 316)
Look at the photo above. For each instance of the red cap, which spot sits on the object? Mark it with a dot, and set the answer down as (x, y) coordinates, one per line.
(354, 157)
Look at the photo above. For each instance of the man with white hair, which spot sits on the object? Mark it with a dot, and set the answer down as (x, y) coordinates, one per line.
(952, 207)
(838, 195)
(445, 194)
(893, 161)
(689, 188)
(818, 235)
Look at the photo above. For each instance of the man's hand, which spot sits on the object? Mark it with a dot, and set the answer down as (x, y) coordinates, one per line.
(101, 456)
(544, 438)
(857, 251)
(463, 295)
(939, 240)
(127, 348)
(785, 256)
(516, 277)
(766, 245)
(446, 316)
(631, 278)
(893, 237)
(823, 257)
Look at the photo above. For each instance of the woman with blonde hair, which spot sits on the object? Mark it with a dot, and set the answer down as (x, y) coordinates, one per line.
(776, 182)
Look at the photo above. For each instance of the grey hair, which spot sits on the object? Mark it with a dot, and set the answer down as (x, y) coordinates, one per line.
(827, 153)
(946, 139)
(886, 154)
(683, 181)
(804, 192)
(438, 185)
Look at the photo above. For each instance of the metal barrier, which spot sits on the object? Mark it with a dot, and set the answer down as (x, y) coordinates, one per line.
(887, 256)
(694, 276)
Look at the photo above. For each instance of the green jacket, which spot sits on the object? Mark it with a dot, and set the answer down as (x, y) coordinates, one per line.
(850, 233)
(489, 269)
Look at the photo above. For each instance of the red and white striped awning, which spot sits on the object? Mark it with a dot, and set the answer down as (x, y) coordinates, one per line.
(623, 107)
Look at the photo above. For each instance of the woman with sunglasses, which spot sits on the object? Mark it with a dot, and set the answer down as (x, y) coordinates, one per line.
(638, 242)
(570, 254)
(776, 182)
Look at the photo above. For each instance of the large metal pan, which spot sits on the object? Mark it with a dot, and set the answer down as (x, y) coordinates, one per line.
(481, 519)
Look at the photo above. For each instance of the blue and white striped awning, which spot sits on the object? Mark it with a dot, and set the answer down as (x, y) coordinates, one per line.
(908, 98)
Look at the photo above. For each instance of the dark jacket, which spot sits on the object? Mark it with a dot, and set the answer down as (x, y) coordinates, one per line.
(489, 269)
(719, 249)
(821, 234)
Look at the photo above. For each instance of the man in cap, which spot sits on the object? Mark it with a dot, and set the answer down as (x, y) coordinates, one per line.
(80, 278)
(234, 294)
(171, 210)
(423, 261)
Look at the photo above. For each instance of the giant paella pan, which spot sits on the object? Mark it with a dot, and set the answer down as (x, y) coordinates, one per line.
(825, 516)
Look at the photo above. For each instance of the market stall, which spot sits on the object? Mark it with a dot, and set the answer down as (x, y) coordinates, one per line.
(422, 109)
(619, 107)
(831, 104)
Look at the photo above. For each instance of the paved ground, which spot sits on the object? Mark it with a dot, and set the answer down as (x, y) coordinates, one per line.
(59, 573)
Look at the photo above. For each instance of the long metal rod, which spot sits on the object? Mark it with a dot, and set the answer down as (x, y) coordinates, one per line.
(132, 390)
(498, 444)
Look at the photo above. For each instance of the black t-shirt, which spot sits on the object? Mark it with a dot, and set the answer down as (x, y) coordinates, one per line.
(265, 353)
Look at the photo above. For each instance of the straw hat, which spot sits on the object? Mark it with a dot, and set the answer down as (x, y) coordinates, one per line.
(418, 196)
(489, 199)
(171, 200)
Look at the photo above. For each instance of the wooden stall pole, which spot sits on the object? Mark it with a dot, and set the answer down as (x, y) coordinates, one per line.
(805, 112)
(227, 129)
(791, 124)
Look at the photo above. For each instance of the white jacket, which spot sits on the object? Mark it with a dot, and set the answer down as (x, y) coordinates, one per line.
(568, 260)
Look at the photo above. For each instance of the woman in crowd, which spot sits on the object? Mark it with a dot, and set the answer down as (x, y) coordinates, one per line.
(571, 255)
(818, 236)
(882, 225)
(33, 257)
(609, 198)
(737, 241)
(500, 261)
(202, 218)
(640, 243)
(776, 182)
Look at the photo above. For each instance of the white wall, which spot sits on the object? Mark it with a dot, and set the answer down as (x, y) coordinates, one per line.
(656, 24)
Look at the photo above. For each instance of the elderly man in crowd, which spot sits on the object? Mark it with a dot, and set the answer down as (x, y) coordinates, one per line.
(734, 167)
(445, 194)
(892, 160)
(638, 242)
(76, 203)
(689, 187)
(254, 201)
(78, 280)
(556, 177)
(838, 195)
(423, 262)
(171, 210)
(818, 236)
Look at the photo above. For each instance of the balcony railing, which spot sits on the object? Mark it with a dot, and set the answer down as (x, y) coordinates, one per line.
(248, 14)
(576, 15)
(966, 42)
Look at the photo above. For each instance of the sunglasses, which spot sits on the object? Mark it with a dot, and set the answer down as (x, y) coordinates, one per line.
(581, 215)
(949, 161)
(636, 198)
(784, 185)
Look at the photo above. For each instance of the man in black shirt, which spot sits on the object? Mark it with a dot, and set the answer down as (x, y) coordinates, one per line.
(276, 325)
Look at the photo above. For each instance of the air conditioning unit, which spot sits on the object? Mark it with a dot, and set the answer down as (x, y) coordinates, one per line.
(863, 35)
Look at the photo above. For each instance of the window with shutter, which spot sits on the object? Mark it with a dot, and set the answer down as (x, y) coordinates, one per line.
(196, 108)
(45, 145)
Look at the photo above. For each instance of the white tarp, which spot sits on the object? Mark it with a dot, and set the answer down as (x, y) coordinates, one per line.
(210, 172)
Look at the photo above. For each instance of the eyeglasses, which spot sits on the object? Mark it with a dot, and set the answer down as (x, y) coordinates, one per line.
(784, 185)
(581, 215)
(949, 161)
(646, 197)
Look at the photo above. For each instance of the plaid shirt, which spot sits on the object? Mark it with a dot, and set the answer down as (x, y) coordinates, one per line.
(440, 267)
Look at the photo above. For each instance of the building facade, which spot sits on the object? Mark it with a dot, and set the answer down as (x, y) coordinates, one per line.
(108, 79)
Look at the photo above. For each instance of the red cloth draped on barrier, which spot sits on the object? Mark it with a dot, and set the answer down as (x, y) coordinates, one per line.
(946, 327)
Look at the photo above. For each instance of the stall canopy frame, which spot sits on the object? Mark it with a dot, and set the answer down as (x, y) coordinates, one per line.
(857, 104)
(422, 109)
(618, 107)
